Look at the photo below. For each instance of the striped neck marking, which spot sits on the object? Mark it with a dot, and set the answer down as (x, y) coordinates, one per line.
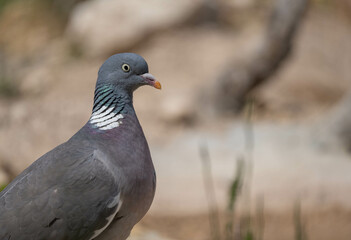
(107, 109)
(106, 122)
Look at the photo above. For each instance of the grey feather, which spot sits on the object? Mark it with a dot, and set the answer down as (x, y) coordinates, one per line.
(73, 191)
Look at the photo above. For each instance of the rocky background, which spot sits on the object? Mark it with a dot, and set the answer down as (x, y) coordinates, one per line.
(50, 52)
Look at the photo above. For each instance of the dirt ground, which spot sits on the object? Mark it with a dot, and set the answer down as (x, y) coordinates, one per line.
(326, 224)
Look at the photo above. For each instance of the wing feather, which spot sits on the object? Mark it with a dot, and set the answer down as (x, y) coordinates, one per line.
(65, 194)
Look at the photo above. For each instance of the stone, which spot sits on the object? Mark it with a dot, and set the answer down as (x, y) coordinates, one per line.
(104, 26)
(176, 110)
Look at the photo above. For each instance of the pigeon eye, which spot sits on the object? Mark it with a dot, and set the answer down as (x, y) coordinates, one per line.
(125, 67)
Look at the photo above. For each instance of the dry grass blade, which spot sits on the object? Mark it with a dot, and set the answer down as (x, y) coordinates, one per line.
(300, 228)
(210, 193)
(234, 193)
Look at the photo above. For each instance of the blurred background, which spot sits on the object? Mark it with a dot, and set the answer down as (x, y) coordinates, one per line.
(251, 133)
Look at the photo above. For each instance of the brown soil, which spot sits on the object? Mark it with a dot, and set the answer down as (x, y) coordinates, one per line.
(327, 224)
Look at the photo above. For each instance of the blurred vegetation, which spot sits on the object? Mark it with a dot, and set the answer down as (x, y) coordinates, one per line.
(234, 192)
(2, 187)
(300, 226)
(210, 193)
(34, 24)
(8, 87)
(343, 7)
(245, 225)
(61, 7)
(3, 3)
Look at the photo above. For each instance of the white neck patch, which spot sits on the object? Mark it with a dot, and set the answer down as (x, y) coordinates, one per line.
(106, 120)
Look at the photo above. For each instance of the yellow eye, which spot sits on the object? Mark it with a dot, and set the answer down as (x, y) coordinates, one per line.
(125, 67)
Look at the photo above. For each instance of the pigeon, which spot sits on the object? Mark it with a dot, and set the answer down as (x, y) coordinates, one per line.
(103, 177)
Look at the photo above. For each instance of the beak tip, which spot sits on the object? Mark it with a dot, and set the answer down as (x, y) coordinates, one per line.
(157, 85)
(150, 79)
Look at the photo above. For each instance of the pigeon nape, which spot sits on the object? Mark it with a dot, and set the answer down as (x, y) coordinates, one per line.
(99, 183)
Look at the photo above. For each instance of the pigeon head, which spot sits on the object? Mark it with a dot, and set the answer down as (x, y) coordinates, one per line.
(118, 77)
(126, 72)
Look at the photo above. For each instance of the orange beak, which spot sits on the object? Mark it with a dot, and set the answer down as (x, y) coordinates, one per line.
(151, 80)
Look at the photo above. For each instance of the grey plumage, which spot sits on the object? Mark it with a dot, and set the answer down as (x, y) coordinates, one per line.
(103, 174)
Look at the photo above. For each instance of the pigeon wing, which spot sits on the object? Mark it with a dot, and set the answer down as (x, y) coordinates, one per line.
(65, 194)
